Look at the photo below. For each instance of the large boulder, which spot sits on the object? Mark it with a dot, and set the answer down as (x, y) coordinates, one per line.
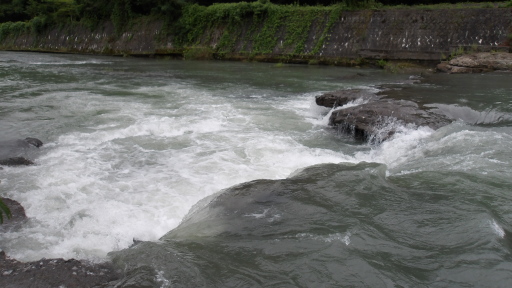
(376, 121)
(378, 118)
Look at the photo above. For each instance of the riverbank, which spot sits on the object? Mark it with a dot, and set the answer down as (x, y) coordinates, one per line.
(306, 35)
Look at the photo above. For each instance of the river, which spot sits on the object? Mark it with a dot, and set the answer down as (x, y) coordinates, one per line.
(226, 174)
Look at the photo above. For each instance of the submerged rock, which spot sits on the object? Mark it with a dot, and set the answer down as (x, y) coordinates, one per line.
(377, 119)
(51, 273)
(477, 63)
(18, 152)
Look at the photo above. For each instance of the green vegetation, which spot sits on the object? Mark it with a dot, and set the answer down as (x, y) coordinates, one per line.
(457, 52)
(237, 26)
(40, 14)
(4, 210)
(382, 63)
(266, 20)
(198, 53)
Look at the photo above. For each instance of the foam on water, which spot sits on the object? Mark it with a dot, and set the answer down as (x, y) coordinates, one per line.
(123, 161)
(69, 62)
(336, 237)
(96, 190)
(135, 171)
(403, 147)
(468, 115)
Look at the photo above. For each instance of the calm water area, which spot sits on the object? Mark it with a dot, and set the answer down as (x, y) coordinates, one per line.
(227, 175)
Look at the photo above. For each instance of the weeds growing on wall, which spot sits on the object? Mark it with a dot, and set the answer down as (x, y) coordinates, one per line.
(253, 27)
(266, 22)
(198, 53)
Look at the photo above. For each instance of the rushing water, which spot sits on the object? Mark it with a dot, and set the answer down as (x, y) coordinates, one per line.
(276, 198)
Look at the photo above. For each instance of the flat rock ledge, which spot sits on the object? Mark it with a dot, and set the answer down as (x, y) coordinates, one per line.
(376, 119)
(477, 63)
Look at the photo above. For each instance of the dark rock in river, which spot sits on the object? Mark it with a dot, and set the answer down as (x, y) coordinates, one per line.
(34, 141)
(377, 119)
(16, 161)
(51, 273)
(17, 211)
(18, 152)
(340, 98)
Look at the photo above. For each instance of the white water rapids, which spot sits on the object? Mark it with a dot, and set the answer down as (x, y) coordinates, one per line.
(131, 145)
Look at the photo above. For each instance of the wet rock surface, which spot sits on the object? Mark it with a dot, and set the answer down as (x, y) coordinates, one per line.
(478, 63)
(340, 98)
(52, 273)
(377, 118)
(18, 216)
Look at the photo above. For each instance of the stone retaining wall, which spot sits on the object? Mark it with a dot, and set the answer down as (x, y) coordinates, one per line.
(413, 34)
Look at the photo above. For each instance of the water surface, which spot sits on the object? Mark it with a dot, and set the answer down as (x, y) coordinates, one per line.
(276, 197)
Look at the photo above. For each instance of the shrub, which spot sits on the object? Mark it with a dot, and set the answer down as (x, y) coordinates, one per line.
(38, 24)
(382, 63)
